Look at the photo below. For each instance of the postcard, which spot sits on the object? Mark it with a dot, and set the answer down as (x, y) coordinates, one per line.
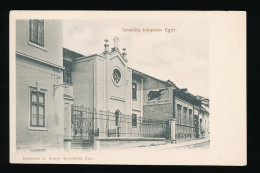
(128, 87)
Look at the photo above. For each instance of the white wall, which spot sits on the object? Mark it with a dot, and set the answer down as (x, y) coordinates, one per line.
(52, 52)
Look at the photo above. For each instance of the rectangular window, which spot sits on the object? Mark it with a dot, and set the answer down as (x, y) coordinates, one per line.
(134, 120)
(179, 114)
(67, 72)
(37, 118)
(184, 115)
(134, 90)
(190, 115)
(37, 32)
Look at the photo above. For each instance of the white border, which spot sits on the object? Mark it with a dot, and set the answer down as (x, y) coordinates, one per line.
(227, 91)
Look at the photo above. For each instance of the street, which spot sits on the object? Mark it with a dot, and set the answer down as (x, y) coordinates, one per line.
(194, 144)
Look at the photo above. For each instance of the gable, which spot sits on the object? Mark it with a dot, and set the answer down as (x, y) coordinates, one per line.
(119, 55)
(117, 60)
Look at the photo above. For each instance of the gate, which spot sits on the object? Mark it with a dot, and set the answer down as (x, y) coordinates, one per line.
(82, 127)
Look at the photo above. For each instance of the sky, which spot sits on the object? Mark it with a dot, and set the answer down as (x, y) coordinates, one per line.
(181, 56)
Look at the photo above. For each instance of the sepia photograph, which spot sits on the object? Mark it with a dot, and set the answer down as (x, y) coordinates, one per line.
(114, 88)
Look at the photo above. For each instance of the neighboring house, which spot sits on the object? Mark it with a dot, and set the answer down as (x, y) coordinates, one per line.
(186, 113)
(39, 99)
(157, 97)
(204, 116)
(204, 122)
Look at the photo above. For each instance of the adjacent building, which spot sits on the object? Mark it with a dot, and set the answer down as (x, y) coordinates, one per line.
(157, 97)
(186, 114)
(204, 116)
(39, 73)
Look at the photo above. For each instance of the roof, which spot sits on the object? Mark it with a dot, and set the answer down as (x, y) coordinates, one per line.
(146, 75)
(71, 54)
(186, 96)
(171, 82)
(89, 56)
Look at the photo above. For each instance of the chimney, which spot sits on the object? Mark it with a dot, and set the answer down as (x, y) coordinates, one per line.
(116, 44)
(106, 47)
(124, 53)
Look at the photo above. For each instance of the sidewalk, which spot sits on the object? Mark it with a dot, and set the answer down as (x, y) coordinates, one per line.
(187, 143)
(167, 146)
(174, 145)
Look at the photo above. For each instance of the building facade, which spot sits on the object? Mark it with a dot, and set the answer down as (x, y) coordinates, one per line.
(186, 114)
(104, 83)
(39, 66)
(157, 97)
(204, 116)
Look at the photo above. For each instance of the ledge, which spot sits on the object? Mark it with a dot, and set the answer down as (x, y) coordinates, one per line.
(38, 128)
(40, 60)
(128, 139)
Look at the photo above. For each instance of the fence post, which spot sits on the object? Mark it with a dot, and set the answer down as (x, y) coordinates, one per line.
(107, 123)
(172, 130)
(140, 126)
(93, 128)
(68, 114)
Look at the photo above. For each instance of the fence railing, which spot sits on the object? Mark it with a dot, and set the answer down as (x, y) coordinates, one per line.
(184, 132)
(129, 125)
(87, 123)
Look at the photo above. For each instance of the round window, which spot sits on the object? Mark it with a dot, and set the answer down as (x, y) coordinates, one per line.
(116, 76)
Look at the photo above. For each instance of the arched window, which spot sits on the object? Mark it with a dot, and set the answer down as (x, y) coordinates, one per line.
(117, 117)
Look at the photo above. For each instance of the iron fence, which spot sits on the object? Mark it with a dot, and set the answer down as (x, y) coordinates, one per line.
(82, 124)
(108, 124)
(87, 123)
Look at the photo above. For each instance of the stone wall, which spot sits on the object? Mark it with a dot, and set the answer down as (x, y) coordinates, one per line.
(115, 142)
